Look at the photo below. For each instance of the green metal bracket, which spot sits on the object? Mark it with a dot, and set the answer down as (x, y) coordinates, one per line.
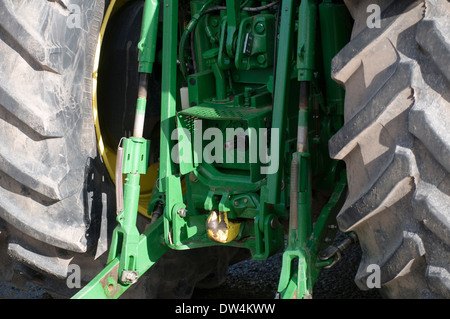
(135, 157)
(126, 235)
(107, 284)
(149, 30)
(255, 42)
(279, 112)
(335, 26)
(306, 39)
(301, 265)
(233, 21)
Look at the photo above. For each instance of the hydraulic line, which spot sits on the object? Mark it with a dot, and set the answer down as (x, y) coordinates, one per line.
(194, 21)
(189, 28)
(248, 9)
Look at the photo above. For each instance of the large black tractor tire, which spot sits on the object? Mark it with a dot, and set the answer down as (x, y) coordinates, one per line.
(57, 202)
(396, 145)
(55, 196)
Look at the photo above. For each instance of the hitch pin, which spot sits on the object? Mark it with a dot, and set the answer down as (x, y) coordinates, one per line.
(335, 252)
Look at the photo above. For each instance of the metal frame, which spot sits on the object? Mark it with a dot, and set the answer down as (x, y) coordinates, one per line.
(259, 229)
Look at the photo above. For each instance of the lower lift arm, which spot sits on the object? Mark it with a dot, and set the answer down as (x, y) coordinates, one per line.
(132, 253)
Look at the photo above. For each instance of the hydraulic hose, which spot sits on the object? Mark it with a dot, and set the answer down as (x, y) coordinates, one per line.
(193, 23)
(189, 28)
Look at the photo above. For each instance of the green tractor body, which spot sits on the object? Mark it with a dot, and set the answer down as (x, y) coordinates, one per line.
(247, 108)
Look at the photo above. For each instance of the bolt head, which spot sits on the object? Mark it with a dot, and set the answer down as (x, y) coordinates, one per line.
(129, 277)
(259, 27)
(182, 212)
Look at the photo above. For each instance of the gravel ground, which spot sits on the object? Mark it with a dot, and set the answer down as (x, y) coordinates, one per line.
(28, 291)
(251, 279)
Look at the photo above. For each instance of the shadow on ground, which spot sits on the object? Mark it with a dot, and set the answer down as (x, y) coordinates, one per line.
(254, 279)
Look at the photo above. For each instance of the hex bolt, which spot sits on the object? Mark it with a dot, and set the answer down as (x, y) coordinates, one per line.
(259, 28)
(129, 276)
(182, 212)
(261, 59)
